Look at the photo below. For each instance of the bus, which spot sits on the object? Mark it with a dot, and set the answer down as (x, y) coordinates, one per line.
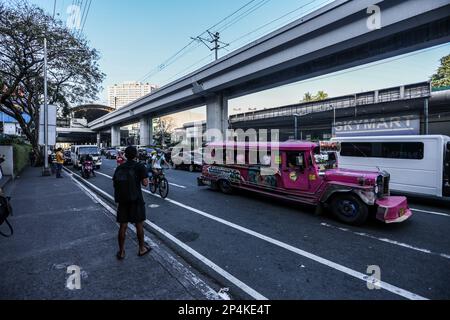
(418, 165)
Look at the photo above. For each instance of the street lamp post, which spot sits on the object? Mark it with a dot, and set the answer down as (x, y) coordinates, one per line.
(46, 171)
(333, 130)
(296, 116)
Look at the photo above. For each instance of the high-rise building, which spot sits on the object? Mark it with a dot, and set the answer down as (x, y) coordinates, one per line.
(119, 95)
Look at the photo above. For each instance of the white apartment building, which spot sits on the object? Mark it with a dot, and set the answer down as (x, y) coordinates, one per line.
(119, 95)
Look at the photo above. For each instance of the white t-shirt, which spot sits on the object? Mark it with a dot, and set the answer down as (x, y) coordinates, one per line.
(158, 161)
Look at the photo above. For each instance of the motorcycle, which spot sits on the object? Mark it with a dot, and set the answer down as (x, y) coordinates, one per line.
(87, 169)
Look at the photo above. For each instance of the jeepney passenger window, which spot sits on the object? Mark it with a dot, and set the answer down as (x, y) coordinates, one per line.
(295, 160)
(266, 160)
(239, 157)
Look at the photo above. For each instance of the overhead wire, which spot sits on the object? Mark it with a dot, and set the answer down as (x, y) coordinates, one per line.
(182, 52)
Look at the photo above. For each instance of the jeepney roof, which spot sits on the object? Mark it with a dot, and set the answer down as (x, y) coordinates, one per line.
(288, 145)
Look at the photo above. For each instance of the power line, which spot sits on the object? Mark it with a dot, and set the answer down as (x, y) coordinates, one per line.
(188, 68)
(243, 15)
(54, 9)
(339, 73)
(214, 39)
(180, 53)
(240, 17)
(87, 13)
(278, 19)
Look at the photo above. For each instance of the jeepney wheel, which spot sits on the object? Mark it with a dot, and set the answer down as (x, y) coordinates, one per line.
(349, 209)
(225, 187)
(191, 168)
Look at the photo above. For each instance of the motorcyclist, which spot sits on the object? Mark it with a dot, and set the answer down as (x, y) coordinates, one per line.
(86, 158)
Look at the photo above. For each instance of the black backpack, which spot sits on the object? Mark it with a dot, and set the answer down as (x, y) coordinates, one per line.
(5, 212)
(125, 184)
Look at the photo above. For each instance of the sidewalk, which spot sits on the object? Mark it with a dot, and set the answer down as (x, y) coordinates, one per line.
(57, 225)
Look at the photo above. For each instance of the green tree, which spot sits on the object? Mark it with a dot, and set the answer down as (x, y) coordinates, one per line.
(73, 73)
(321, 95)
(163, 131)
(442, 77)
(308, 97)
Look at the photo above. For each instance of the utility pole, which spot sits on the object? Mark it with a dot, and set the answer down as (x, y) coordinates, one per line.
(213, 43)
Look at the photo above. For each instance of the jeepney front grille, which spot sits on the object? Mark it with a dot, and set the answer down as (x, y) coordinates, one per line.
(386, 189)
(383, 182)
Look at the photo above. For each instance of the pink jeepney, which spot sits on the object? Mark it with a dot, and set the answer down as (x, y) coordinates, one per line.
(299, 171)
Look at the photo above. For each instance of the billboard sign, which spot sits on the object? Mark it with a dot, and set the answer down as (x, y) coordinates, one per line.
(51, 125)
(387, 126)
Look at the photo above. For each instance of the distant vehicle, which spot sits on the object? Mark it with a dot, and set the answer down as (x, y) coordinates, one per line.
(418, 165)
(78, 151)
(120, 159)
(192, 161)
(111, 154)
(145, 153)
(87, 169)
(293, 174)
(67, 158)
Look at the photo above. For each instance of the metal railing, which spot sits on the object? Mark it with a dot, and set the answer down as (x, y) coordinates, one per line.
(414, 91)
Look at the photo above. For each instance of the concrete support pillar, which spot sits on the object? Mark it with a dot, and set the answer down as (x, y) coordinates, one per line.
(99, 139)
(115, 136)
(146, 132)
(217, 115)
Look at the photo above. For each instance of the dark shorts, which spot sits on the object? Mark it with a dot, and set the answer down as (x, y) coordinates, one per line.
(133, 212)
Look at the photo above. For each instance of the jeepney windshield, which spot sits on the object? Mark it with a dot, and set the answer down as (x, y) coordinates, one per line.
(325, 160)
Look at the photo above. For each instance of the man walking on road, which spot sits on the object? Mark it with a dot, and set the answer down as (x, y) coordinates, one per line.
(128, 179)
(59, 162)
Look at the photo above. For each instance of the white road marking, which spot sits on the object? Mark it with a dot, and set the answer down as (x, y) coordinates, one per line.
(353, 273)
(177, 185)
(250, 291)
(432, 212)
(153, 206)
(172, 184)
(404, 245)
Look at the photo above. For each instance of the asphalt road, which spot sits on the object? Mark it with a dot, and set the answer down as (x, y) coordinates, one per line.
(262, 248)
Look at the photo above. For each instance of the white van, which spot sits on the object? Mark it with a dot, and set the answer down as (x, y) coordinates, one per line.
(418, 165)
(77, 151)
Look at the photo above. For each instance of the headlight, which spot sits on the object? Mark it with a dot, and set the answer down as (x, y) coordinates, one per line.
(377, 189)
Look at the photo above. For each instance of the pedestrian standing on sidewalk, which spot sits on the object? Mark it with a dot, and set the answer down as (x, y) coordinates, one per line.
(127, 180)
(59, 162)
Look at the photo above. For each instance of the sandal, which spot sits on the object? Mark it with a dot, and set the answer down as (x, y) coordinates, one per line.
(147, 251)
(119, 256)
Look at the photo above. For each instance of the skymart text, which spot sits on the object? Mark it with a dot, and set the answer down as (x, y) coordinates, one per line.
(235, 147)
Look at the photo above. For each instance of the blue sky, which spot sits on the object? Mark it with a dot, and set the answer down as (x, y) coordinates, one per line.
(135, 36)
